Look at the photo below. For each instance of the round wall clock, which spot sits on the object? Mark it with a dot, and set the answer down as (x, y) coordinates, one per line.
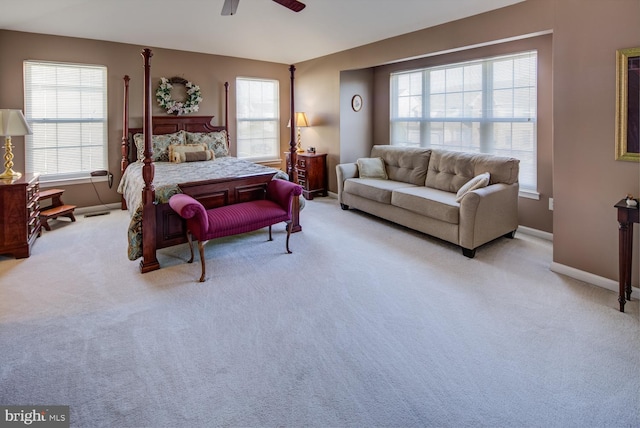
(356, 103)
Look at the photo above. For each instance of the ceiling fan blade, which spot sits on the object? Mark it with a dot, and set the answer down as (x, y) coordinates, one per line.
(294, 5)
(229, 7)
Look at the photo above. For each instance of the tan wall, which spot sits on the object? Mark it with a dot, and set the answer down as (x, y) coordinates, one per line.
(208, 71)
(356, 132)
(581, 170)
(587, 179)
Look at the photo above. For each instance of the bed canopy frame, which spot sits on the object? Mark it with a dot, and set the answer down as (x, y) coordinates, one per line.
(159, 224)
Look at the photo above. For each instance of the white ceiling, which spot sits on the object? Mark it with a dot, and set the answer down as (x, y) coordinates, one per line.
(261, 29)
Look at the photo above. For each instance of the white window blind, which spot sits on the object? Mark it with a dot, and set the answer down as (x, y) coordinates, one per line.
(258, 118)
(66, 107)
(484, 106)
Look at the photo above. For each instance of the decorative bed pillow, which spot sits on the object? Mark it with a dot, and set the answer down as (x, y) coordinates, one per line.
(216, 141)
(477, 182)
(160, 145)
(372, 168)
(138, 140)
(190, 153)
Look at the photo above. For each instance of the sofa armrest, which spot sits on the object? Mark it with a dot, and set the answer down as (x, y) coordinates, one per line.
(488, 213)
(343, 172)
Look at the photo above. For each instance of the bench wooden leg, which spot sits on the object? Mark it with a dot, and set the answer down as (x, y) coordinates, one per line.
(201, 248)
(289, 227)
(190, 240)
(201, 245)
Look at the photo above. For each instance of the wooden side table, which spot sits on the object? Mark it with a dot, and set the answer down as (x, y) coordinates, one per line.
(310, 172)
(626, 217)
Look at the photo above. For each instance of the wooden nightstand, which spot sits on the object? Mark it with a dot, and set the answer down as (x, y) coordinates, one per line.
(19, 215)
(310, 173)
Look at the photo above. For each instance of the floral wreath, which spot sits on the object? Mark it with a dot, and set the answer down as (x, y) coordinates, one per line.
(163, 96)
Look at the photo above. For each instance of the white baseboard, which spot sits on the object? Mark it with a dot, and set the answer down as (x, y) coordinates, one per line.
(536, 232)
(97, 208)
(590, 278)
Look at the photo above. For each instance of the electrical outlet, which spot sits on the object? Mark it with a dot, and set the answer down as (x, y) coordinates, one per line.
(550, 204)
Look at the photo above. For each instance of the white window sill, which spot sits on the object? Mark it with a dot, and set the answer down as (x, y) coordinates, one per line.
(266, 161)
(44, 183)
(529, 194)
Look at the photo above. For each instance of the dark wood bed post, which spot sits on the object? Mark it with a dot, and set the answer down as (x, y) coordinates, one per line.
(226, 112)
(295, 209)
(292, 126)
(124, 162)
(149, 261)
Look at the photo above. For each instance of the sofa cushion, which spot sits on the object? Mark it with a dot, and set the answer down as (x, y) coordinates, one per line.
(371, 168)
(450, 170)
(406, 164)
(477, 182)
(374, 189)
(503, 169)
(434, 203)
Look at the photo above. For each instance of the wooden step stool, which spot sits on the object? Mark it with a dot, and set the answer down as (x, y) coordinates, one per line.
(56, 209)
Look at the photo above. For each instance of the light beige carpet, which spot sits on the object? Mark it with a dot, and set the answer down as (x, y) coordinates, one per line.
(365, 324)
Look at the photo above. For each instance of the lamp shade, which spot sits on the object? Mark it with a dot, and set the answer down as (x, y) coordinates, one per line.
(13, 123)
(301, 120)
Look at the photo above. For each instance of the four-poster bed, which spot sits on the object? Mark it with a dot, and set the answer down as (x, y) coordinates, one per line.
(148, 180)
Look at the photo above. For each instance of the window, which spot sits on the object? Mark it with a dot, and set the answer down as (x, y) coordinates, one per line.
(66, 107)
(258, 111)
(485, 106)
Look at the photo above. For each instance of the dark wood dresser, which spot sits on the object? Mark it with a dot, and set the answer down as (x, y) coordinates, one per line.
(310, 172)
(20, 215)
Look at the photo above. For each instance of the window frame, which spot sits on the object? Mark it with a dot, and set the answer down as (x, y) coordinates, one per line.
(273, 122)
(87, 164)
(421, 114)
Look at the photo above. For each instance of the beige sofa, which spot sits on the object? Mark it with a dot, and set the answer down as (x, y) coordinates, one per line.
(421, 189)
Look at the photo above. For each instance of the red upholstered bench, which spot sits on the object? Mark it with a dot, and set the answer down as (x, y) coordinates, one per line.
(235, 219)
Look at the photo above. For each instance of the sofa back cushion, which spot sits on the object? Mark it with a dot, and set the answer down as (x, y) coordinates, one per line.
(503, 169)
(449, 170)
(406, 164)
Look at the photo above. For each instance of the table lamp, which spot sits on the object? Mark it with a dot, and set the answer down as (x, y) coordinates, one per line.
(301, 121)
(12, 123)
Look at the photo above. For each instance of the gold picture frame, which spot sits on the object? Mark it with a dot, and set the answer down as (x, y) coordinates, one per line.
(628, 104)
